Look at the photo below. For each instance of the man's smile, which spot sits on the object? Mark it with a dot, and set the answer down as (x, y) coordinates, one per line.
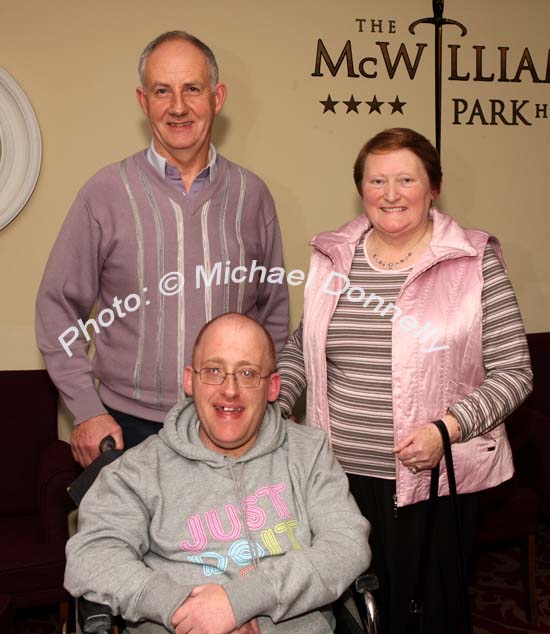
(229, 411)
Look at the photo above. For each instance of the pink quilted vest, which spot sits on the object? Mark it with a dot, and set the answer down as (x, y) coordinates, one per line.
(437, 356)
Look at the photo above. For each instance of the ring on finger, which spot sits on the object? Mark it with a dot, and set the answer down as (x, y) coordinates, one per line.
(414, 469)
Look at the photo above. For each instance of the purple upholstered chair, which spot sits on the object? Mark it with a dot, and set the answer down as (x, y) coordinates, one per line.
(35, 470)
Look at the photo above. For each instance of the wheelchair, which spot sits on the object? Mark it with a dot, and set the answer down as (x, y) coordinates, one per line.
(94, 618)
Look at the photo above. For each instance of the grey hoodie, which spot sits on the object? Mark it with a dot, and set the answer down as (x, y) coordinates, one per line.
(169, 515)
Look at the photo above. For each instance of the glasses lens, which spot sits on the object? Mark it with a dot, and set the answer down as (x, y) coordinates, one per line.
(212, 376)
(247, 378)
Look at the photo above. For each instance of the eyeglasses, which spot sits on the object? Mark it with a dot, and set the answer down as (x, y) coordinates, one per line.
(244, 378)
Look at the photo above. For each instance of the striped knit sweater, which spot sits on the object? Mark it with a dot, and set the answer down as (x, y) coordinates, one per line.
(159, 266)
(360, 374)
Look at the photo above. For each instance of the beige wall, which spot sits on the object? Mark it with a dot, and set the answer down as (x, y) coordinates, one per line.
(76, 62)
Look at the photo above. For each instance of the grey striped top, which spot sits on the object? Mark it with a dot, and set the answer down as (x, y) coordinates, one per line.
(359, 366)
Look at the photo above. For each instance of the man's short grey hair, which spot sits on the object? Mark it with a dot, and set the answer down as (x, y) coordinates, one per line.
(184, 37)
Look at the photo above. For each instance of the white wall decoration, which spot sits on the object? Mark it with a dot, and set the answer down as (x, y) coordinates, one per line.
(20, 149)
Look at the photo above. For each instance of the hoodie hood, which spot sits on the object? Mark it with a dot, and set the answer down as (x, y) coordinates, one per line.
(181, 433)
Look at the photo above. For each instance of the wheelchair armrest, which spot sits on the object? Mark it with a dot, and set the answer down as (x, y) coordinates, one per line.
(94, 618)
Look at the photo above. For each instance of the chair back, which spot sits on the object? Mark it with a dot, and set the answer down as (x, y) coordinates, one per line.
(539, 349)
(28, 424)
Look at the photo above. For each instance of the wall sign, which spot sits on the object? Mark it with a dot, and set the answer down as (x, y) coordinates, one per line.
(20, 149)
(386, 53)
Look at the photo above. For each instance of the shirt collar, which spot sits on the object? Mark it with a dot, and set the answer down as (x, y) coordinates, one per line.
(159, 162)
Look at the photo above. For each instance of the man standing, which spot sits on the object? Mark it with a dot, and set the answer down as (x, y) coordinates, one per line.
(153, 241)
(233, 517)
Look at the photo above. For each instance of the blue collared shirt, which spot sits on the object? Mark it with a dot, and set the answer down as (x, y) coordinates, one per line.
(170, 173)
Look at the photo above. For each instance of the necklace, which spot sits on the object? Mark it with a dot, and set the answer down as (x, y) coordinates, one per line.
(391, 265)
(399, 263)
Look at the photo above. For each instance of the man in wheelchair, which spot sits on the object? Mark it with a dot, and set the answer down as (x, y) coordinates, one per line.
(232, 520)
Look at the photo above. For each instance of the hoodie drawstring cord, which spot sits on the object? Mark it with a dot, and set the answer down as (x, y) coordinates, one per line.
(239, 492)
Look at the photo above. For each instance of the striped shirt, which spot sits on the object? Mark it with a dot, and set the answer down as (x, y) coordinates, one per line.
(359, 370)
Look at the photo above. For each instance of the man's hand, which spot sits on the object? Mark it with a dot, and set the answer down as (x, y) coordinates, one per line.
(248, 628)
(86, 437)
(207, 610)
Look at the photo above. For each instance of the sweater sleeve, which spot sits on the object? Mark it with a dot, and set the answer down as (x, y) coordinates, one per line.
(67, 294)
(291, 367)
(105, 558)
(509, 378)
(272, 300)
(303, 580)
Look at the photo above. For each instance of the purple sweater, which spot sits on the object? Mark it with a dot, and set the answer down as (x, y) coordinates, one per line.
(156, 262)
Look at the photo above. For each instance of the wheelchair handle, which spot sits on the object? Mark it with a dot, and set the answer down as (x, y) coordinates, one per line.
(107, 444)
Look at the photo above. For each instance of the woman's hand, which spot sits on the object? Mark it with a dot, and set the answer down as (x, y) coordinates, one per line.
(423, 448)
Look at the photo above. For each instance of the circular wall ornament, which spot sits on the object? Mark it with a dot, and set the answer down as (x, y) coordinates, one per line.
(20, 149)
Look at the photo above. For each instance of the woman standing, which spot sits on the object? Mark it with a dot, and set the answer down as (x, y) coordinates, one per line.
(409, 318)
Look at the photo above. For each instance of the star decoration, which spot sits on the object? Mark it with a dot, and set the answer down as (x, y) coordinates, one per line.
(396, 105)
(374, 105)
(352, 104)
(329, 104)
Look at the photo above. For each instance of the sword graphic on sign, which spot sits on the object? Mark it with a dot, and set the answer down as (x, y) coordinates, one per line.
(439, 22)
